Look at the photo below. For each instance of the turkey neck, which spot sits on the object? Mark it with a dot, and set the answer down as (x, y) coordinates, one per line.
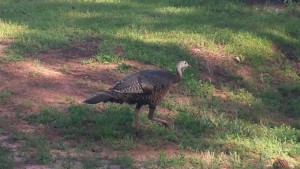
(178, 74)
(179, 71)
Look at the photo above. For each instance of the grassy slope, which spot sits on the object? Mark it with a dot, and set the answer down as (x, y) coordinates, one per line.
(160, 32)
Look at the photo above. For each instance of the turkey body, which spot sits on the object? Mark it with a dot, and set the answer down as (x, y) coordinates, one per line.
(146, 87)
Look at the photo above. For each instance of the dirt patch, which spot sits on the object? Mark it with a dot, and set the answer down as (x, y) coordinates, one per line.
(218, 67)
(54, 76)
(4, 43)
(79, 50)
(140, 154)
(119, 50)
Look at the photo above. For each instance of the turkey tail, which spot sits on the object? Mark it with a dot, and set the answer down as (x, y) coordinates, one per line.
(102, 97)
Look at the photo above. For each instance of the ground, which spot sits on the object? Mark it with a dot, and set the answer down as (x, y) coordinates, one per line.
(236, 106)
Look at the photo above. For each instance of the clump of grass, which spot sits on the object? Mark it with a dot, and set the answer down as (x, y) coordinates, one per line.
(6, 160)
(125, 143)
(244, 97)
(47, 115)
(290, 98)
(33, 74)
(69, 100)
(123, 68)
(5, 94)
(196, 88)
(36, 63)
(105, 58)
(84, 121)
(27, 103)
(92, 162)
(194, 122)
(11, 56)
(88, 61)
(272, 99)
(64, 68)
(125, 161)
(41, 153)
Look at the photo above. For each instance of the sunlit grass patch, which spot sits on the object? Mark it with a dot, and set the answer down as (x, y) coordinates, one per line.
(123, 68)
(244, 97)
(11, 55)
(103, 58)
(10, 29)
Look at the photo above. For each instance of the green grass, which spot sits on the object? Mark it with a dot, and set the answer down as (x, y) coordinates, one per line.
(27, 103)
(91, 162)
(231, 131)
(5, 158)
(290, 98)
(35, 150)
(64, 69)
(36, 63)
(123, 68)
(83, 121)
(125, 161)
(5, 94)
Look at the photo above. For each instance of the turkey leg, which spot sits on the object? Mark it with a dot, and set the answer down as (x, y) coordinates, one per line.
(136, 117)
(151, 114)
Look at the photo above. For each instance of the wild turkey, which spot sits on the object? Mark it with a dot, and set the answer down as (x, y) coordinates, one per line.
(146, 87)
